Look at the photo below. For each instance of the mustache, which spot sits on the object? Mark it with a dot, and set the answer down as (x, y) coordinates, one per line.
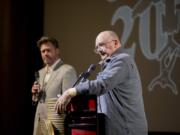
(102, 53)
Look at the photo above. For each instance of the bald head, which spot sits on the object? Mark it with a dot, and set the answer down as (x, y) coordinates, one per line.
(107, 35)
(107, 42)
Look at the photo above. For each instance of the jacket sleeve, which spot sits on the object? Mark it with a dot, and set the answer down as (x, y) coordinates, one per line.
(115, 72)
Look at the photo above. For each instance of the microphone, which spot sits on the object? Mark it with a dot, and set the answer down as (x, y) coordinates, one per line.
(35, 96)
(83, 76)
(91, 68)
(36, 77)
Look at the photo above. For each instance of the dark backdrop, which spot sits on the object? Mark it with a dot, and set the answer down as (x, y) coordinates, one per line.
(21, 24)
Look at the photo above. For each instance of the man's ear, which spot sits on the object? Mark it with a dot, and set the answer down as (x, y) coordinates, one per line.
(116, 43)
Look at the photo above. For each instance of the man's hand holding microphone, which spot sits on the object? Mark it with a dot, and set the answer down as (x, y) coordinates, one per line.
(35, 89)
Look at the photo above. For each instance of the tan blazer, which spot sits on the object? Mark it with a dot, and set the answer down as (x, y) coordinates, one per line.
(62, 77)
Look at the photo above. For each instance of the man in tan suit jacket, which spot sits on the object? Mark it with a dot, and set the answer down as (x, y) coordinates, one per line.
(54, 78)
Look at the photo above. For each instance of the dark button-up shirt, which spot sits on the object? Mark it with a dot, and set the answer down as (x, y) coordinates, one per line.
(119, 92)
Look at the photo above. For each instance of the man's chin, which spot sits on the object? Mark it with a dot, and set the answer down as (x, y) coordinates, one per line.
(103, 57)
(47, 63)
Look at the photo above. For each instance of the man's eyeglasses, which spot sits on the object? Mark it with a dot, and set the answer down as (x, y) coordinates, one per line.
(96, 50)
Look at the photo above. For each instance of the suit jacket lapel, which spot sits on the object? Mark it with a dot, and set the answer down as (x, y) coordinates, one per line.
(41, 81)
(53, 74)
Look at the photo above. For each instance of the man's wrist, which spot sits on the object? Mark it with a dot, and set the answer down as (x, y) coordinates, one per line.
(72, 92)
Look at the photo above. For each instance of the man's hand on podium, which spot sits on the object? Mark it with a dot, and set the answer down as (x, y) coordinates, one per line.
(64, 99)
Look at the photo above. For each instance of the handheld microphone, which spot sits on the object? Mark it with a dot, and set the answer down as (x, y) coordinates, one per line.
(35, 96)
(36, 74)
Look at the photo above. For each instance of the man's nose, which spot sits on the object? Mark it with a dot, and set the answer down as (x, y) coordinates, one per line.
(101, 49)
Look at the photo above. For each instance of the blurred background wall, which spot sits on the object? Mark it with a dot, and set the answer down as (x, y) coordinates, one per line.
(148, 29)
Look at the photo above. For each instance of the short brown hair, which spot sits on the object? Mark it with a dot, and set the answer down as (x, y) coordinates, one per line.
(46, 39)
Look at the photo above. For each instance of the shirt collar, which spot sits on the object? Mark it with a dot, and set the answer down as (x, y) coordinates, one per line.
(51, 68)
